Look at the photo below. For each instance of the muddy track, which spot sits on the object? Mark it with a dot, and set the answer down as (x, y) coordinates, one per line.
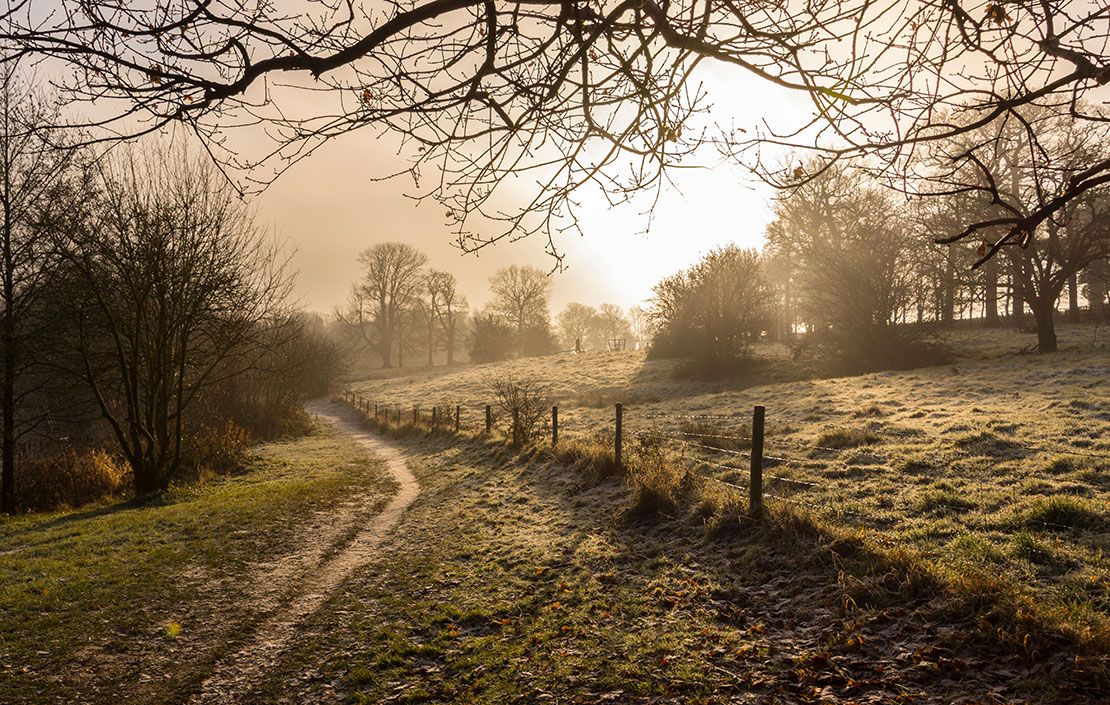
(237, 674)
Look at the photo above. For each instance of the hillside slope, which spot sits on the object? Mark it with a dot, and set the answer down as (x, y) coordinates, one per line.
(998, 464)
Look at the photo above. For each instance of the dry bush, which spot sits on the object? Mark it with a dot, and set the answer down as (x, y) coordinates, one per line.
(592, 457)
(444, 415)
(522, 408)
(69, 479)
(217, 448)
(661, 485)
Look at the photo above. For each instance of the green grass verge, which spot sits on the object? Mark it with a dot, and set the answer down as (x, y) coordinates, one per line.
(127, 602)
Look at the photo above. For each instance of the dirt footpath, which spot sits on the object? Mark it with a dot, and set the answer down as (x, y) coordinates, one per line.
(237, 675)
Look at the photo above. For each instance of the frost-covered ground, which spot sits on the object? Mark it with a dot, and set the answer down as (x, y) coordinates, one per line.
(998, 463)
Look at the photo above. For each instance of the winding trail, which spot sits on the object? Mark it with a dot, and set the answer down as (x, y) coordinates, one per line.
(235, 676)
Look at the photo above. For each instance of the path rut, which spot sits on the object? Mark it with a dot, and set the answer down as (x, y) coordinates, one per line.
(237, 675)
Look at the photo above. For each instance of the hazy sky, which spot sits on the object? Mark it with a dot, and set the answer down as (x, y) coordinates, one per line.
(329, 208)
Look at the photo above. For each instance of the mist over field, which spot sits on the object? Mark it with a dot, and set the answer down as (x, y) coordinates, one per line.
(472, 351)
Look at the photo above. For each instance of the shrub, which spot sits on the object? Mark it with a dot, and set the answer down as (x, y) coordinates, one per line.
(69, 479)
(522, 408)
(712, 313)
(444, 415)
(219, 448)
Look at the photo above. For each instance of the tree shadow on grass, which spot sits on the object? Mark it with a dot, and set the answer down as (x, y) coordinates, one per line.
(849, 621)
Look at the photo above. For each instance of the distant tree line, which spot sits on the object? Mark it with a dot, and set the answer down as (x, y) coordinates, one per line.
(401, 309)
(856, 266)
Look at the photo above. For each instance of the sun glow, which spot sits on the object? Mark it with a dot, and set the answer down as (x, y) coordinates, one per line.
(331, 208)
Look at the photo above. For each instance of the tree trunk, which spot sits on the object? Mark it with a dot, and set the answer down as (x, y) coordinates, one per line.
(431, 340)
(147, 479)
(7, 388)
(1073, 297)
(990, 290)
(385, 347)
(1017, 302)
(1046, 327)
(451, 343)
(948, 301)
(7, 392)
(1096, 295)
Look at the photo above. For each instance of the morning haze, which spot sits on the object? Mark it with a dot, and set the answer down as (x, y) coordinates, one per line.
(814, 410)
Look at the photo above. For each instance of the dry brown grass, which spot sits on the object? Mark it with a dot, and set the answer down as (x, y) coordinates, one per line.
(69, 479)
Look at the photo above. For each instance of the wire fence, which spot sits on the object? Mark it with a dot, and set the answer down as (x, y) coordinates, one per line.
(730, 450)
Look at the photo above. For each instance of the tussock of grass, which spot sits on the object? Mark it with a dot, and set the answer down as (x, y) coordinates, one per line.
(847, 438)
(591, 458)
(1031, 547)
(870, 411)
(661, 487)
(941, 499)
(975, 550)
(1072, 512)
(986, 443)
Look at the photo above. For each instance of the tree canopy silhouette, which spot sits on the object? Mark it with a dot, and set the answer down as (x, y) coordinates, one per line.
(570, 93)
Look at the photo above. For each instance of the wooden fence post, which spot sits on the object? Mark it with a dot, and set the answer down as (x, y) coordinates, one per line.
(398, 414)
(458, 409)
(618, 436)
(415, 414)
(435, 415)
(554, 426)
(489, 419)
(756, 479)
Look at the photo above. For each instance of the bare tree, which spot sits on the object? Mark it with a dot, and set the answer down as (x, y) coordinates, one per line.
(1024, 165)
(520, 296)
(575, 322)
(639, 319)
(448, 309)
(169, 280)
(390, 286)
(482, 90)
(522, 408)
(612, 323)
(34, 174)
(852, 266)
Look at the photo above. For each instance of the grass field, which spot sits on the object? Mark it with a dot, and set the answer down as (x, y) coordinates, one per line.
(514, 580)
(132, 602)
(932, 536)
(993, 466)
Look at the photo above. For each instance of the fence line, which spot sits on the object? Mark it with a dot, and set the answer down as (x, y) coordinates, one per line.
(686, 440)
